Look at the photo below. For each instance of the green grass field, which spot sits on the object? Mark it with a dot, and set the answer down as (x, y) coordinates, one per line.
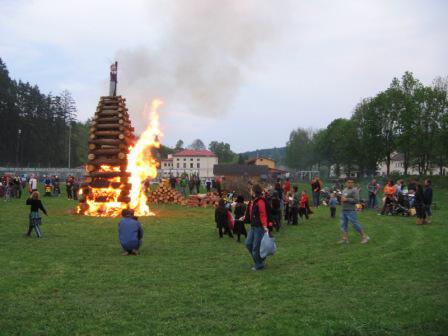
(187, 281)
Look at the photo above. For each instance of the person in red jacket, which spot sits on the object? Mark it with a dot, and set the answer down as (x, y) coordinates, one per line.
(259, 225)
(287, 186)
(303, 205)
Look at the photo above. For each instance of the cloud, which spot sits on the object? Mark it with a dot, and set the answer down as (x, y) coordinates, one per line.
(246, 72)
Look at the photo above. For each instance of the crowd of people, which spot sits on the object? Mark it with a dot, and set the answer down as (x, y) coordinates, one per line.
(191, 184)
(402, 198)
(13, 186)
(265, 208)
(265, 211)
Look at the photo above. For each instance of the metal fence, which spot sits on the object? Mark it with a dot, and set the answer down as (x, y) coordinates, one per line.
(62, 173)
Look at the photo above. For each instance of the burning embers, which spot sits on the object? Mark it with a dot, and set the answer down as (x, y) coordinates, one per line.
(117, 168)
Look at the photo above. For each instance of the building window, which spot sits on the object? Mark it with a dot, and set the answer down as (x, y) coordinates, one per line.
(198, 159)
(178, 165)
(191, 159)
(198, 165)
(178, 159)
(185, 159)
(185, 165)
(191, 165)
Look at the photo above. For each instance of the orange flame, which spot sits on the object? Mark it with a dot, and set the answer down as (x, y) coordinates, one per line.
(141, 164)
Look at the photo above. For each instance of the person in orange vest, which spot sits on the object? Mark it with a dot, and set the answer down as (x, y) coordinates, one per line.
(389, 193)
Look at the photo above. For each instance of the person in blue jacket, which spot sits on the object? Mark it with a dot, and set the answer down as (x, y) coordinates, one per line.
(130, 233)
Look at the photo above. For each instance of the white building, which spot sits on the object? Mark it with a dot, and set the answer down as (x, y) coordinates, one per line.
(189, 161)
(397, 166)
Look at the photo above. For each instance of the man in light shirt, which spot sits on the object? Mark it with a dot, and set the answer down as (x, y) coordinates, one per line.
(33, 183)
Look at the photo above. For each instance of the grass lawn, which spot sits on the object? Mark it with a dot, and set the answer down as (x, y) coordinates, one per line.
(187, 281)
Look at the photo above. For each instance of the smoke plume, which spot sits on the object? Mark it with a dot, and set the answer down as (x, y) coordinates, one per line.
(199, 62)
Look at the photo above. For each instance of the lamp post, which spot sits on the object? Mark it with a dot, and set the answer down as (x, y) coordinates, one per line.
(69, 144)
(19, 132)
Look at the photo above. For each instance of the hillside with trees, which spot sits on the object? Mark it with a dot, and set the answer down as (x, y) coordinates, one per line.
(36, 129)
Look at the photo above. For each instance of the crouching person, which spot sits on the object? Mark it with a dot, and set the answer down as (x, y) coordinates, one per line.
(35, 219)
(259, 225)
(130, 233)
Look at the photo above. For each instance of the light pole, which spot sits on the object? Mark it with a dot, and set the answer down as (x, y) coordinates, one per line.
(69, 144)
(19, 132)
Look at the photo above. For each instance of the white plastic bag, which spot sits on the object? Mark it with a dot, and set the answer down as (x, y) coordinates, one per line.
(267, 246)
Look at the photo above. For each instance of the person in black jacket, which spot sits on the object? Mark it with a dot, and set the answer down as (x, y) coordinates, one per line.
(419, 204)
(240, 212)
(276, 212)
(427, 193)
(221, 219)
(34, 218)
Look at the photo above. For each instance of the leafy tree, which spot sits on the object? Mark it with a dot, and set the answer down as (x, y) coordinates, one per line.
(179, 145)
(197, 145)
(299, 150)
(223, 151)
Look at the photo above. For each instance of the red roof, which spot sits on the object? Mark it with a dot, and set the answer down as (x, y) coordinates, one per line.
(192, 152)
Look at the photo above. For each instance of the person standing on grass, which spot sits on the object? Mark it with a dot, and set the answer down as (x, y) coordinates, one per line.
(276, 211)
(191, 184)
(332, 203)
(33, 184)
(240, 211)
(427, 193)
(287, 187)
(295, 205)
(259, 225)
(35, 219)
(198, 184)
(69, 187)
(208, 184)
(349, 199)
(303, 205)
(419, 203)
(183, 185)
(130, 233)
(316, 186)
(222, 219)
(389, 194)
(373, 188)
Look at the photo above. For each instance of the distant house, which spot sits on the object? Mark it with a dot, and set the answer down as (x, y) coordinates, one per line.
(241, 170)
(199, 162)
(262, 161)
(397, 166)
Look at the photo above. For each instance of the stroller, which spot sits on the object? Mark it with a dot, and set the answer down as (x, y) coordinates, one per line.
(399, 206)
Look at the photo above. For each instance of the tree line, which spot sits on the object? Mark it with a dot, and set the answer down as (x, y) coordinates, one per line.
(37, 129)
(408, 117)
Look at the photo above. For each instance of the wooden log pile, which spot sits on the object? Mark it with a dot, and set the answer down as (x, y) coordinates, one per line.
(203, 200)
(110, 136)
(164, 194)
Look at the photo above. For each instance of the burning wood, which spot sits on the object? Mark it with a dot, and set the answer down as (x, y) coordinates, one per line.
(118, 165)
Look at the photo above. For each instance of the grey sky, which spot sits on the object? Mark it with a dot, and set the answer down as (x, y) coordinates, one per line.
(244, 72)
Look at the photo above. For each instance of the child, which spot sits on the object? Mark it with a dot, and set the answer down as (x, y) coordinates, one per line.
(240, 211)
(221, 219)
(332, 203)
(295, 205)
(304, 205)
(35, 219)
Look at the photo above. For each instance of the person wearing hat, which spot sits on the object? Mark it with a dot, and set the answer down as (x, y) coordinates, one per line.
(130, 233)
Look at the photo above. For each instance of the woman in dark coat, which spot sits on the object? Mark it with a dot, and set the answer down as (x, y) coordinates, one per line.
(240, 211)
(419, 203)
(222, 219)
